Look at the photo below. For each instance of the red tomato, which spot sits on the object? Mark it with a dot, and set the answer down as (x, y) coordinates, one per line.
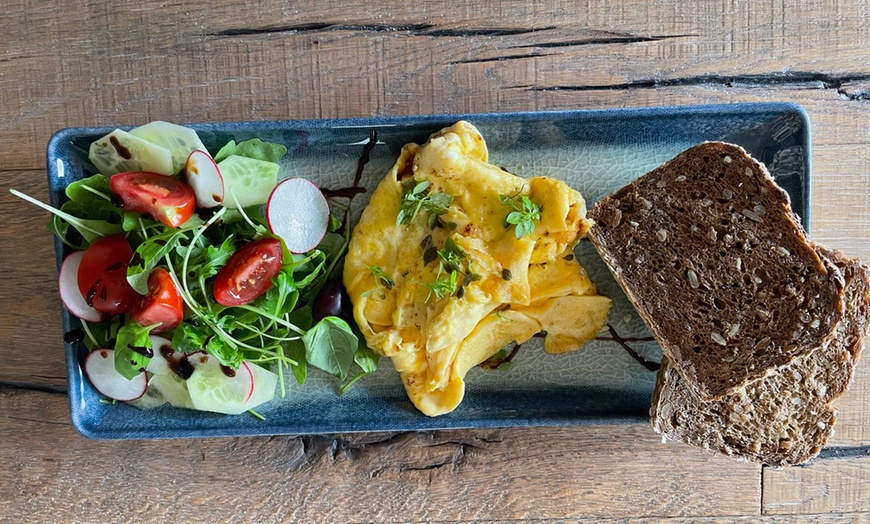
(161, 305)
(249, 272)
(103, 275)
(161, 197)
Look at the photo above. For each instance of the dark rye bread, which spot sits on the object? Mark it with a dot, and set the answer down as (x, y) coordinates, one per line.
(709, 252)
(786, 417)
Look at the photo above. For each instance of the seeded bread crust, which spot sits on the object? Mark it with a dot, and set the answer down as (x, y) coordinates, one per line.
(708, 250)
(785, 418)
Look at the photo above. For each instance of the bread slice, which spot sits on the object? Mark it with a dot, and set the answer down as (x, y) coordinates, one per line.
(786, 417)
(715, 262)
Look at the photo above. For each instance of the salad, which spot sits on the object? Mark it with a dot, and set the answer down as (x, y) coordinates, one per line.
(200, 279)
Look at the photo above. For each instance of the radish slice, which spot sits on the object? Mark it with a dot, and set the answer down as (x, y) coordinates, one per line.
(212, 388)
(100, 369)
(205, 178)
(70, 294)
(298, 213)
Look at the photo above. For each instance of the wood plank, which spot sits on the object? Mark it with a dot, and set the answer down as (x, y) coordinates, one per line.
(841, 219)
(841, 518)
(122, 63)
(521, 473)
(829, 486)
(30, 324)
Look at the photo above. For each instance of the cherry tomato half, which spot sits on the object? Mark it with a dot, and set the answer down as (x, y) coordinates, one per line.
(249, 272)
(102, 276)
(163, 198)
(162, 304)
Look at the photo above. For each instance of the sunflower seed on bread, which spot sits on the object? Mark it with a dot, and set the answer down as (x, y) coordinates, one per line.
(714, 260)
(786, 417)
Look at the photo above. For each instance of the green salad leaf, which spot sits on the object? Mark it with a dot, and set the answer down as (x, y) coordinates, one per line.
(277, 329)
(330, 346)
(253, 148)
(133, 349)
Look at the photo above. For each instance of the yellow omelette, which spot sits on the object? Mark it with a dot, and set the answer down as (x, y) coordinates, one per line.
(440, 281)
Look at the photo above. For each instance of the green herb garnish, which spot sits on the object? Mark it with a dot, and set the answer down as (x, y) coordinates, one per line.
(382, 281)
(455, 270)
(416, 197)
(524, 214)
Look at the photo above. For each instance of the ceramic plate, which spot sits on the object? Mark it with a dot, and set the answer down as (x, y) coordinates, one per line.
(596, 152)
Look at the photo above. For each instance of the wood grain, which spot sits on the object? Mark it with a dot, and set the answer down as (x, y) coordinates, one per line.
(127, 62)
(112, 63)
(838, 485)
(410, 477)
(30, 321)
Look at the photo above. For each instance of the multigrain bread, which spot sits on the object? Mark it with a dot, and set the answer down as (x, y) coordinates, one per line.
(709, 252)
(786, 417)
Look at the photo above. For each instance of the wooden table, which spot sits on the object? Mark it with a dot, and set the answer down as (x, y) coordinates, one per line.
(86, 63)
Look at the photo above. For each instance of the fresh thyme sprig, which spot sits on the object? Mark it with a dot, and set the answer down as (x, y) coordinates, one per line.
(453, 264)
(416, 197)
(524, 214)
(382, 281)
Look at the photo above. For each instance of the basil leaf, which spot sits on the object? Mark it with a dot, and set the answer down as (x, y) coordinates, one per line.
(331, 245)
(296, 351)
(330, 346)
(366, 358)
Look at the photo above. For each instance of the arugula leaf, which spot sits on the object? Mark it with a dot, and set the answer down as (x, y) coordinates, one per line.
(302, 317)
(207, 262)
(146, 257)
(188, 338)
(133, 349)
(90, 230)
(94, 189)
(253, 148)
(281, 298)
(330, 346)
(101, 335)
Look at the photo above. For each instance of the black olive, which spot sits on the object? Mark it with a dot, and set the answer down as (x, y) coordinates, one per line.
(331, 301)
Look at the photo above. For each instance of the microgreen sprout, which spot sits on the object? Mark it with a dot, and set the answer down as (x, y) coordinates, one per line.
(416, 197)
(523, 215)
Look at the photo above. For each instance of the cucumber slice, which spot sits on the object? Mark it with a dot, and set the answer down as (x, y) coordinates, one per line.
(212, 390)
(247, 181)
(172, 388)
(150, 400)
(164, 380)
(179, 140)
(265, 383)
(119, 152)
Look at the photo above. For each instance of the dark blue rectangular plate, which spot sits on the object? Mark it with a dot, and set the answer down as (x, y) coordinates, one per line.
(595, 151)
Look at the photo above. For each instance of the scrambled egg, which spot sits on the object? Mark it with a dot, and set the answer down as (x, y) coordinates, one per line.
(440, 281)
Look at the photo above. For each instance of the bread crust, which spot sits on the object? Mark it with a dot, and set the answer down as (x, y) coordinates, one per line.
(718, 266)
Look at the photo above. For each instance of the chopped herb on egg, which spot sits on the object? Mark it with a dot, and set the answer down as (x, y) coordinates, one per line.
(417, 196)
(524, 214)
